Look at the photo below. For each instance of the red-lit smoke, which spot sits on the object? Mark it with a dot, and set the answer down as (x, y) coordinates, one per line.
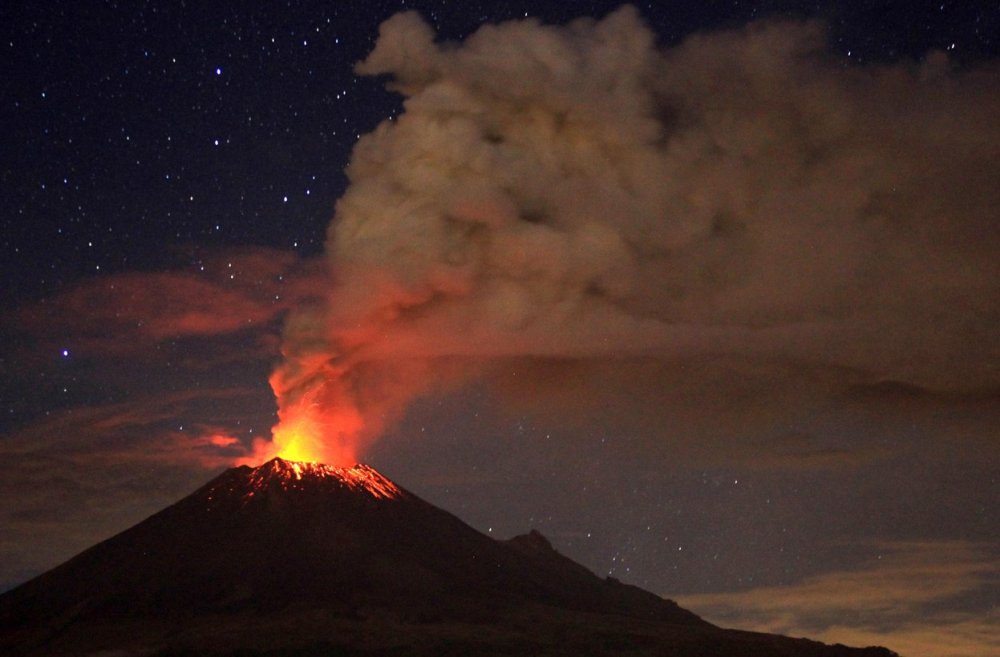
(577, 193)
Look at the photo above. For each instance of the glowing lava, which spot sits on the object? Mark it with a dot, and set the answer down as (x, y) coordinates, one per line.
(317, 427)
(295, 475)
(300, 438)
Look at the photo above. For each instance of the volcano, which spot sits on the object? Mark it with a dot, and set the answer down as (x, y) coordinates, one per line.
(297, 558)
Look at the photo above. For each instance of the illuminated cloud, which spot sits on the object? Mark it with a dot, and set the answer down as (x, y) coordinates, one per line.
(910, 598)
(737, 203)
(233, 292)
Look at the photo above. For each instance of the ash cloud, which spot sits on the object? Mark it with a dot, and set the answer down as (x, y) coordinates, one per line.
(577, 194)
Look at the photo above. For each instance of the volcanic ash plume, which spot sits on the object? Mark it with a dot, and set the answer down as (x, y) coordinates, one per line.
(576, 193)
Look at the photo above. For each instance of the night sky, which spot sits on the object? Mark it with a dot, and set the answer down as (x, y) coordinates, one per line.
(774, 398)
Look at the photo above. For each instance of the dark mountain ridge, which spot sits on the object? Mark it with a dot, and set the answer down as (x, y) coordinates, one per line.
(296, 558)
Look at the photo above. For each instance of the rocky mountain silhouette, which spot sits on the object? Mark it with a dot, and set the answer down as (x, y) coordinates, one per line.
(306, 559)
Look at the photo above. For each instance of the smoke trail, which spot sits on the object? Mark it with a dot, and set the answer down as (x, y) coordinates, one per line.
(577, 193)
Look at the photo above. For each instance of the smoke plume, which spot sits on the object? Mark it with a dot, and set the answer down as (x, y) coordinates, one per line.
(576, 193)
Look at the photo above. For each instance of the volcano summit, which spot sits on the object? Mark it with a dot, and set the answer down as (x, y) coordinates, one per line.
(297, 558)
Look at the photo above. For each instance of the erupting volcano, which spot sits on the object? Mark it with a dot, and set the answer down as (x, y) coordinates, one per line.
(301, 475)
(319, 425)
(306, 558)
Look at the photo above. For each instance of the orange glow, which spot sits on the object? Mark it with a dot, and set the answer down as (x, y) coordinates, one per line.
(292, 475)
(316, 427)
(222, 440)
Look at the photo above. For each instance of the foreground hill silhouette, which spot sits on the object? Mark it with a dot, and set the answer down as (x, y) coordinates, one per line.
(305, 559)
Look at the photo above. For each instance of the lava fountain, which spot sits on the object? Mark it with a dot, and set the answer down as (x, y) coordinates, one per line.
(319, 425)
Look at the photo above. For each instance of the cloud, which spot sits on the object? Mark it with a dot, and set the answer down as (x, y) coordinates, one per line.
(75, 476)
(146, 429)
(577, 194)
(231, 292)
(922, 599)
(214, 324)
(134, 335)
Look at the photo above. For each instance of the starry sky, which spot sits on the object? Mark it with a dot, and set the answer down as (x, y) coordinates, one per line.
(169, 173)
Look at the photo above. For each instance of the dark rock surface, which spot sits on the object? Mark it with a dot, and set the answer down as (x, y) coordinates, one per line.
(302, 559)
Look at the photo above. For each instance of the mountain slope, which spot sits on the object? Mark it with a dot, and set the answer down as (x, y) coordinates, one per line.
(294, 556)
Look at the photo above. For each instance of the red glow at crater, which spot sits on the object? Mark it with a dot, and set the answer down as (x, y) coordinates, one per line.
(312, 428)
(291, 475)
